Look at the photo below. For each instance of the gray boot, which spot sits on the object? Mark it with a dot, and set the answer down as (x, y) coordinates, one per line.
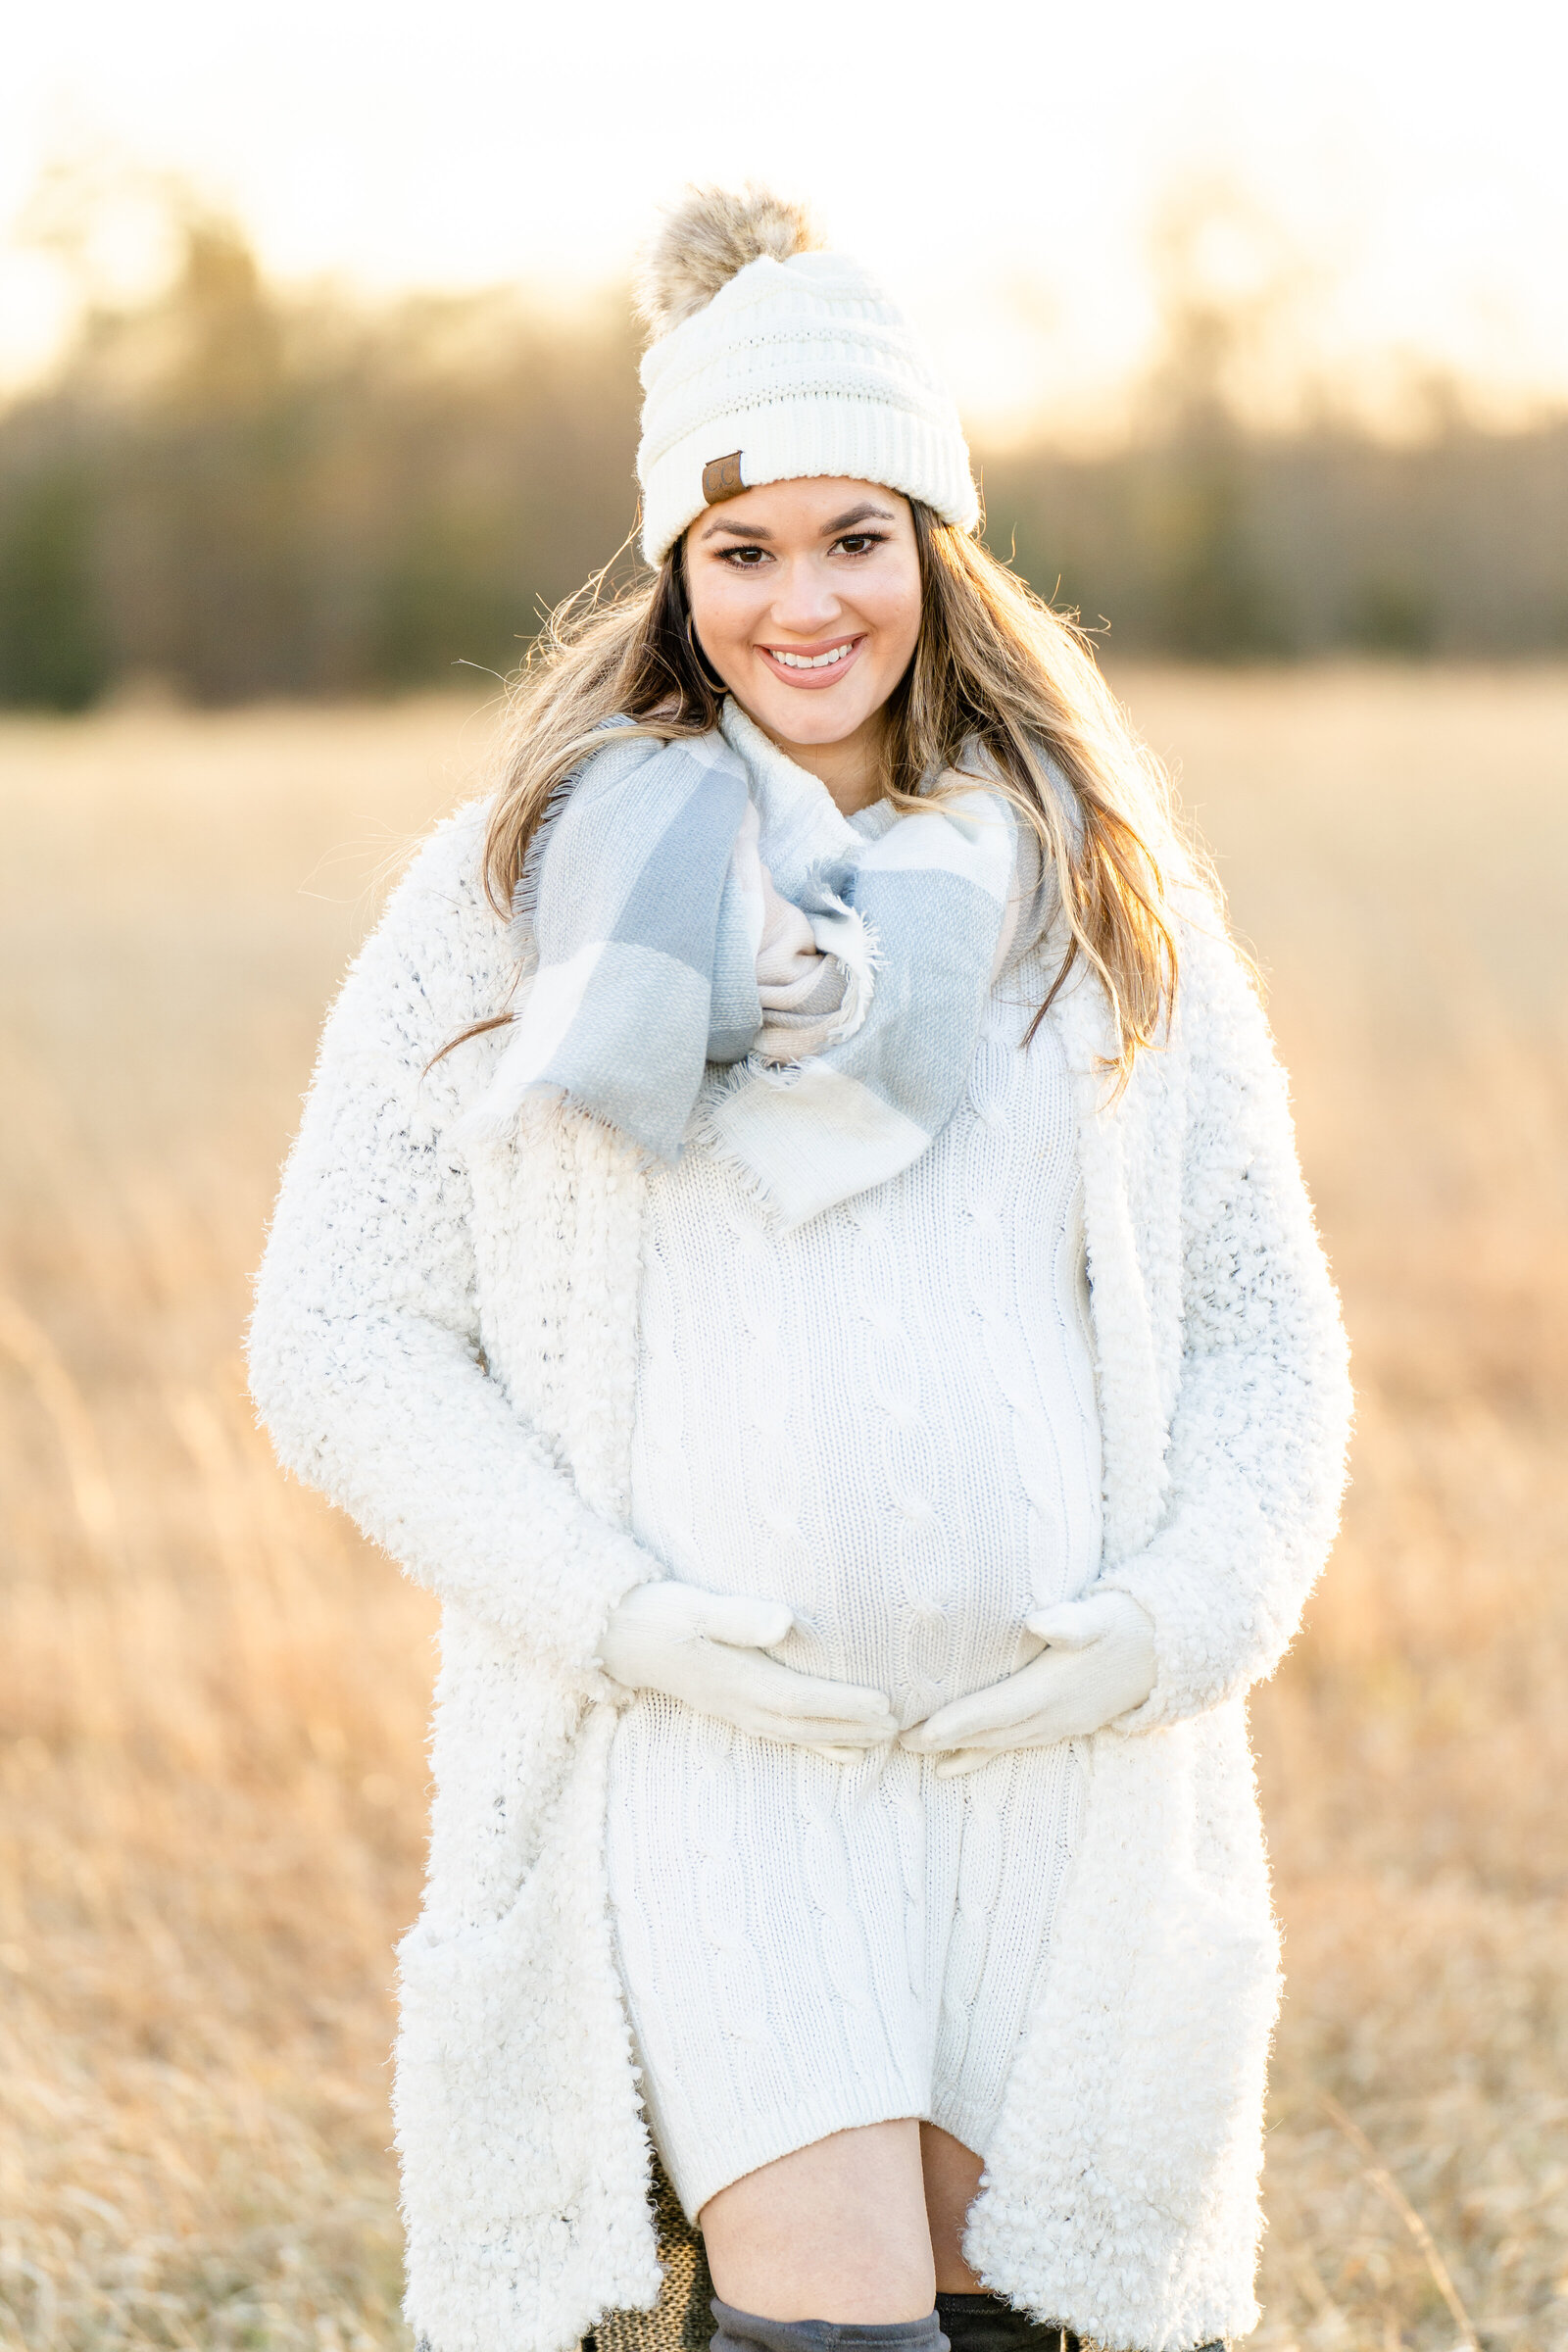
(744, 2332)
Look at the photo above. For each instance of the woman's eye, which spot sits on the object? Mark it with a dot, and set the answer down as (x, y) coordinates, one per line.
(744, 558)
(859, 543)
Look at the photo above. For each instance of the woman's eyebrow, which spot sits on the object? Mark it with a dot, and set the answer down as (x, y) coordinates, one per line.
(864, 513)
(860, 513)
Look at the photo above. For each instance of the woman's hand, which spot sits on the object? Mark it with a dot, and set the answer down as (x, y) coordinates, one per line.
(1099, 1662)
(706, 1648)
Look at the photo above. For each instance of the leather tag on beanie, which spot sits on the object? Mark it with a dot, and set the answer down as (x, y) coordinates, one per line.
(721, 478)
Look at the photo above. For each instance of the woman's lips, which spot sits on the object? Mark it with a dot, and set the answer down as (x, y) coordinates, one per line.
(828, 673)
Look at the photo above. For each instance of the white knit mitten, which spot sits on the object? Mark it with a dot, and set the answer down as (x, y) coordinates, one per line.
(1099, 1663)
(706, 1648)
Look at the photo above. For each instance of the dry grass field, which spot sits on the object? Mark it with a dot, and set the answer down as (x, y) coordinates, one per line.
(213, 1695)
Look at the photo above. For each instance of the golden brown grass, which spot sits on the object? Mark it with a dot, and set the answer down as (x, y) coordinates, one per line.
(211, 1744)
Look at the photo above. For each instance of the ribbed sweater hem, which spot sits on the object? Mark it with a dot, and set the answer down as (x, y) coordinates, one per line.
(868, 2098)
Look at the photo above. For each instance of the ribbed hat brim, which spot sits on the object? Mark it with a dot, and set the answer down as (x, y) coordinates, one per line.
(825, 435)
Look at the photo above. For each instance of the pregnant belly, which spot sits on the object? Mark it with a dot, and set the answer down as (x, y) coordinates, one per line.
(924, 1610)
(911, 1534)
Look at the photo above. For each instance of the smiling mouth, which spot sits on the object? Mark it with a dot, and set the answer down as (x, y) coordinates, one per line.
(812, 661)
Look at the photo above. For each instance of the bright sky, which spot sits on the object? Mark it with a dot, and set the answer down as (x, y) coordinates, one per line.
(997, 160)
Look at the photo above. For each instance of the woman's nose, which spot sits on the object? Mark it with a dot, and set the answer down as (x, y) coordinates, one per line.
(806, 599)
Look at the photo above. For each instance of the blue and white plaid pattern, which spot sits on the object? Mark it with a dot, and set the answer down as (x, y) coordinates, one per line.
(647, 945)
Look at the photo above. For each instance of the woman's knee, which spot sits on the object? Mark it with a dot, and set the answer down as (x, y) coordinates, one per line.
(836, 2230)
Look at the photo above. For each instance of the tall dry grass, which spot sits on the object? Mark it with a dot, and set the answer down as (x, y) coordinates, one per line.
(210, 1746)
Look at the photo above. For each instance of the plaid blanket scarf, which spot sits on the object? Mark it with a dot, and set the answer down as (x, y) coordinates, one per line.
(642, 910)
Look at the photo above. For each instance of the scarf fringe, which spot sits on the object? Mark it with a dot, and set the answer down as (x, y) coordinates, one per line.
(703, 1131)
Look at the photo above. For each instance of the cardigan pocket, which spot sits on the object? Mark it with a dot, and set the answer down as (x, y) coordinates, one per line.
(513, 2087)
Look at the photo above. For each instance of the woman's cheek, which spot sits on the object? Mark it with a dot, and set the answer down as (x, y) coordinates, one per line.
(727, 614)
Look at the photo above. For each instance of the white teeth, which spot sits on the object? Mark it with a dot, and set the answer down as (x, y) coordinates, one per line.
(811, 660)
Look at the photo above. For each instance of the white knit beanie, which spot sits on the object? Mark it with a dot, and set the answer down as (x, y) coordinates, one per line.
(771, 362)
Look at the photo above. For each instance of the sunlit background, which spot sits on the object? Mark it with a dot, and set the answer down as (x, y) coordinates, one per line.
(1002, 165)
(318, 386)
(320, 374)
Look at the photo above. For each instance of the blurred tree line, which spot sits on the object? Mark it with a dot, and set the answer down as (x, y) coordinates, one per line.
(235, 490)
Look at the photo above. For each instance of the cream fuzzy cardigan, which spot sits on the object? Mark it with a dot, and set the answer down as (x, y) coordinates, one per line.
(445, 1341)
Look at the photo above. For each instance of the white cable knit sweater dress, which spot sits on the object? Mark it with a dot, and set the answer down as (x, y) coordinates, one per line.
(886, 1418)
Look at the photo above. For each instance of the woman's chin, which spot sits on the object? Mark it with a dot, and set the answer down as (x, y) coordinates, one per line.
(802, 714)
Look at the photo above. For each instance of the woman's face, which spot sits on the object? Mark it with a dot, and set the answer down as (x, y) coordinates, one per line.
(806, 599)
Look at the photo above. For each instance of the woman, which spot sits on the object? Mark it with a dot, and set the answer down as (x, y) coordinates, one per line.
(796, 1236)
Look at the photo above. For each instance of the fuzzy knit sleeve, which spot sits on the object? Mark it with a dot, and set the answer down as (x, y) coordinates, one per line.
(1255, 1465)
(364, 1355)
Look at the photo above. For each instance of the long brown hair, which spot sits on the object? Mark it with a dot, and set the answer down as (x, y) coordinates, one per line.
(996, 672)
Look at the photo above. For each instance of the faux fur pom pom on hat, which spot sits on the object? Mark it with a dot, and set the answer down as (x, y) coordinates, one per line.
(707, 237)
